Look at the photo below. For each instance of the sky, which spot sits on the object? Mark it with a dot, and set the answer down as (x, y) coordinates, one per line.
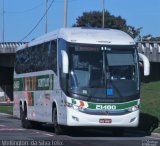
(21, 16)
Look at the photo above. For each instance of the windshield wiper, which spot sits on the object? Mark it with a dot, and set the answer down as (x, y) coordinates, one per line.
(104, 69)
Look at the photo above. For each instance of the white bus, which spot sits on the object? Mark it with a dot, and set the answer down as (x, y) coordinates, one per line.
(79, 77)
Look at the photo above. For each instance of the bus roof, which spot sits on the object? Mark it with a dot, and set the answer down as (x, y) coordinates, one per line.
(86, 36)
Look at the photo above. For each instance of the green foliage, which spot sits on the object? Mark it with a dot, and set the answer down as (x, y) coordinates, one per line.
(150, 99)
(6, 109)
(94, 19)
(150, 109)
(157, 130)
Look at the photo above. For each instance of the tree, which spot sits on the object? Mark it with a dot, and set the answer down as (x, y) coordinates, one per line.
(94, 19)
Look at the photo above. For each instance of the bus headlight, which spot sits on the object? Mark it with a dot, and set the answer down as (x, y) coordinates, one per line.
(133, 108)
(81, 109)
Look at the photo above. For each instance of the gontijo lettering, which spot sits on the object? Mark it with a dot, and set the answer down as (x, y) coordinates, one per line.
(43, 82)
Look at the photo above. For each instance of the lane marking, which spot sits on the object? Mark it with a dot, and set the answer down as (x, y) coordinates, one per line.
(50, 135)
(2, 125)
(46, 134)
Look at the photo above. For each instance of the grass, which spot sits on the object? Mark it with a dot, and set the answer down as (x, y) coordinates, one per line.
(6, 109)
(150, 99)
(150, 106)
(157, 130)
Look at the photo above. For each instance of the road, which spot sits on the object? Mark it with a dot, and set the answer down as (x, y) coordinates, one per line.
(12, 134)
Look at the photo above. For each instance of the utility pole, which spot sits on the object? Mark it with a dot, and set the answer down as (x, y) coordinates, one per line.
(65, 12)
(46, 26)
(103, 11)
(3, 21)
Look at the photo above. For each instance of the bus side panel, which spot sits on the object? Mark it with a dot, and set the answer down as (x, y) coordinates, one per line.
(16, 105)
(36, 90)
(61, 108)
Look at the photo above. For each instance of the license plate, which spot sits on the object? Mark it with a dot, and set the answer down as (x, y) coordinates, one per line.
(105, 120)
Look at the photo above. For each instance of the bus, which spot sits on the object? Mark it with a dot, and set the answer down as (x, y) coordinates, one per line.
(81, 77)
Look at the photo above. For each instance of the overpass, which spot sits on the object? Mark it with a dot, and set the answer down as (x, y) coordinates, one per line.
(152, 51)
(7, 56)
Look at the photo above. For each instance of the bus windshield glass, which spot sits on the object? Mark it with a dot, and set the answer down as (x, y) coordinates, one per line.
(95, 69)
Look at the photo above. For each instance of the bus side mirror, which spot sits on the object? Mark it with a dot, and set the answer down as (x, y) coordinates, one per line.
(65, 62)
(146, 64)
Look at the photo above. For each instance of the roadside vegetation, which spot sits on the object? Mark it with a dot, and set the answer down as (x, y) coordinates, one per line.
(150, 98)
(6, 109)
(150, 106)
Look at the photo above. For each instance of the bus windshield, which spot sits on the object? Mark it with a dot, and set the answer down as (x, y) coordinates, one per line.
(94, 70)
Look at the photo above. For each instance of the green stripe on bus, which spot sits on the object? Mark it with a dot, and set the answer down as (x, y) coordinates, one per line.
(19, 84)
(112, 105)
(106, 106)
(34, 83)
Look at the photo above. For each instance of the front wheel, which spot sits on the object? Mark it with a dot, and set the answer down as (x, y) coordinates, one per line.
(57, 128)
(118, 131)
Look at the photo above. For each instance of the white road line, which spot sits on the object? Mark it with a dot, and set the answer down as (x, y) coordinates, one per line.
(2, 125)
(48, 135)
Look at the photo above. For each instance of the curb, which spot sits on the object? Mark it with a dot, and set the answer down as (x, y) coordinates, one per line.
(8, 115)
(6, 103)
(4, 114)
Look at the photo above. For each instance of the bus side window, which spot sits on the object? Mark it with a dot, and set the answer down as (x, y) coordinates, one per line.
(17, 62)
(53, 56)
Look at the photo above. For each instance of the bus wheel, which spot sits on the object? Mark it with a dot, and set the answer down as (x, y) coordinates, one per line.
(118, 132)
(57, 128)
(36, 124)
(24, 120)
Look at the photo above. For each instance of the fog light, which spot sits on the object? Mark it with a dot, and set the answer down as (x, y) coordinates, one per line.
(133, 108)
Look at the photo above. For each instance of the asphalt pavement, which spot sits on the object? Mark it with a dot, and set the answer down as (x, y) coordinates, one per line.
(12, 134)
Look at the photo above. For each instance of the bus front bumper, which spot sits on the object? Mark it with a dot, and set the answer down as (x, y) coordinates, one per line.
(77, 118)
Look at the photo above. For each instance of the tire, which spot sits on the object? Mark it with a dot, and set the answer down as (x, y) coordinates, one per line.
(21, 113)
(35, 124)
(57, 128)
(118, 132)
(24, 120)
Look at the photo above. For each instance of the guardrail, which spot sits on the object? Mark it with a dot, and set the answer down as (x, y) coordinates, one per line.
(6, 103)
(150, 49)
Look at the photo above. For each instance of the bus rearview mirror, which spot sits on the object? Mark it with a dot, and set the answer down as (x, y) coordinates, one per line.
(65, 61)
(146, 64)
